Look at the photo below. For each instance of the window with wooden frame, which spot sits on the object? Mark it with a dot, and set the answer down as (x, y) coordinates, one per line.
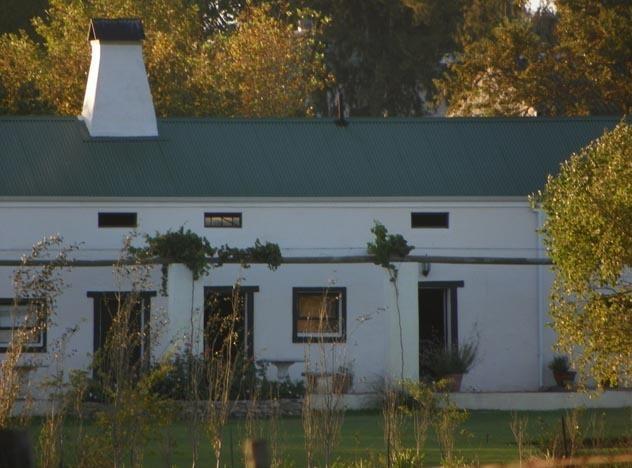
(319, 314)
(222, 220)
(23, 316)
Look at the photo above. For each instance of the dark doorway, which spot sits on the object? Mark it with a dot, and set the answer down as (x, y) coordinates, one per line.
(438, 317)
(227, 310)
(433, 317)
(107, 306)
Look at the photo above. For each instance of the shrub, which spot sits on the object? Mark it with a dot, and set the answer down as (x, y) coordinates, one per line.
(249, 378)
(442, 361)
(559, 364)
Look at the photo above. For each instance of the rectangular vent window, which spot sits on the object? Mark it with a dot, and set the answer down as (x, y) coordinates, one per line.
(430, 220)
(118, 220)
(222, 220)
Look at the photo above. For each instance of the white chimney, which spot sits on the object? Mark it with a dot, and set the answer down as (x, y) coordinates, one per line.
(118, 101)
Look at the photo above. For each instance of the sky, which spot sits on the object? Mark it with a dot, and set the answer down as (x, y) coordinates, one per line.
(534, 4)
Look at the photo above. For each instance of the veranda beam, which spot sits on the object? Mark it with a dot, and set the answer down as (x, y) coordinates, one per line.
(443, 259)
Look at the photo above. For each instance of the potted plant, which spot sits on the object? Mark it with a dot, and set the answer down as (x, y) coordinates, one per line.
(342, 380)
(562, 373)
(449, 363)
(337, 382)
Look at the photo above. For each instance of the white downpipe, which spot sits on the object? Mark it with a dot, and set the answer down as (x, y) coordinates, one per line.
(541, 301)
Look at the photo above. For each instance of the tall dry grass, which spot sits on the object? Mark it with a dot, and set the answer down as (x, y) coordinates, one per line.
(323, 406)
(36, 289)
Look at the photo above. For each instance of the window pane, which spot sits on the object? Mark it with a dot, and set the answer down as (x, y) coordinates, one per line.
(24, 315)
(222, 220)
(5, 316)
(5, 336)
(318, 314)
(15, 316)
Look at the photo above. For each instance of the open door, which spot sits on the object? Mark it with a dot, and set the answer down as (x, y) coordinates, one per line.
(107, 306)
(438, 317)
(227, 312)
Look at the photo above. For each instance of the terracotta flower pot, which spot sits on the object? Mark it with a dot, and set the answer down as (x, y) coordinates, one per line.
(337, 383)
(341, 383)
(564, 378)
(454, 382)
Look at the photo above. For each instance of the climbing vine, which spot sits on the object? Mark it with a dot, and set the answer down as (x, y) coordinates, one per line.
(385, 248)
(199, 255)
(268, 253)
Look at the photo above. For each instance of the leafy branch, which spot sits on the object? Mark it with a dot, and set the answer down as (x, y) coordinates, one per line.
(384, 248)
(387, 247)
(199, 255)
(268, 253)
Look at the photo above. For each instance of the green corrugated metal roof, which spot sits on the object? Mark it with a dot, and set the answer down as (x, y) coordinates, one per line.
(457, 157)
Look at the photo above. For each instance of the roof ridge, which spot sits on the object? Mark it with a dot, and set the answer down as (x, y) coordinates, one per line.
(39, 118)
(388, 120)
(329, 120)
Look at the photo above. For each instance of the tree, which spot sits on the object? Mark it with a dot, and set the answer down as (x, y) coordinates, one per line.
(19, 72)
(266, 67)
(16, 14)
(593, 57)
(186, 74)
(480, 17)
(385, 54)
(577, 61)
(220, 15)
(588, 233)
(493, 76)
(57, 60)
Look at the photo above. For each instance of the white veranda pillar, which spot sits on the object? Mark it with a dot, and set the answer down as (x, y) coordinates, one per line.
(408, 286)
(185, 307)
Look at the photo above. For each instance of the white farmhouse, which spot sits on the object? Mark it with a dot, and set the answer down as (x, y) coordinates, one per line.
(452, 187)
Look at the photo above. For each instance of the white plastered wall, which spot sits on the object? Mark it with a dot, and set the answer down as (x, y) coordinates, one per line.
(499, 304)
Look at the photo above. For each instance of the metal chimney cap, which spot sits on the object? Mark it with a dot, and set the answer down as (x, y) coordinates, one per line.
(120, 29)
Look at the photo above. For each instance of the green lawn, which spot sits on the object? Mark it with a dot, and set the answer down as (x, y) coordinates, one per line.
(486, 437)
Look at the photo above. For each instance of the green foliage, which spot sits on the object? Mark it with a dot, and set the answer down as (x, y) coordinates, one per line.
(387, 247)
(588, 233)
(16, 14)
(575, 61)
(181, 247)
(491, 78)
(559, 364)
(177, 247)
(385, 54)
(442, 361)
(405, 458)
(197, 254)
(384, 248)
(480, 17)
(249, 381)
(259, 68)
(132, 418)
(263, 68)
(446, 422)
(362, 434)
(429, 406)
(268, 253)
